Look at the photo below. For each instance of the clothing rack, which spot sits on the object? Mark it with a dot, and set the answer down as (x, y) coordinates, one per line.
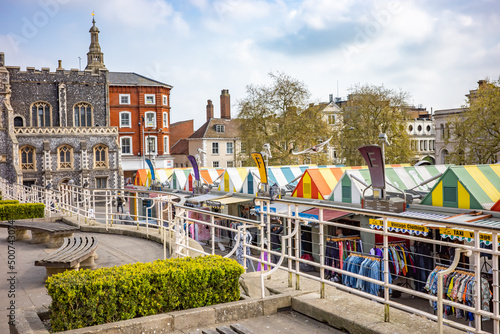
(391, 243)
(374, 258)
(457, 269)
(344, 238)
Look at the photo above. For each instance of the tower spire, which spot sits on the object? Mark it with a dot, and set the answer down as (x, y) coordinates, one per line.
(95, 58)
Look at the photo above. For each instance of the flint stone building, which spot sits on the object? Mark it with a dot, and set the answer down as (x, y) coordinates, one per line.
(55, 126)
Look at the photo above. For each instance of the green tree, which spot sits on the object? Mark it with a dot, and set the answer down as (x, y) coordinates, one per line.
(280, 115)
(369, 111)
(476, 132)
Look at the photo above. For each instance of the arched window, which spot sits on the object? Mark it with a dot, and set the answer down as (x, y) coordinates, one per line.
(18, 122)
(28, 161)
(83, 114)
(444, 156)
(100, 156)
(150, 119)
(41, 113)
(65, 157)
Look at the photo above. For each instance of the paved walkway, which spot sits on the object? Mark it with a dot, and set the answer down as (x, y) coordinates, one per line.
(29, 285)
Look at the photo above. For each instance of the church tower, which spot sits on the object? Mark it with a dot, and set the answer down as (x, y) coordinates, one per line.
(95, 58)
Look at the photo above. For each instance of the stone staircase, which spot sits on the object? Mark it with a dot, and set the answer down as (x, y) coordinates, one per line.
(232, 329)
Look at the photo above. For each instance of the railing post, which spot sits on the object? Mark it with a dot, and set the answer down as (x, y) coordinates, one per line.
(496, 294)
(321, 254)
(477, 271)
(385, 263)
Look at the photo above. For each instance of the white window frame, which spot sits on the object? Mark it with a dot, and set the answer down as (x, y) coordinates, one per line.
(124, 95)
(220, 128)
(166, 145)
(165, 100)
(129, 119)
(165, 119)
(215, 147)
(215, 164)
(146, 96)
(229, 143)
(149, 124)
(146, 146)
(229, 162)
(101, 178)
(121, 145)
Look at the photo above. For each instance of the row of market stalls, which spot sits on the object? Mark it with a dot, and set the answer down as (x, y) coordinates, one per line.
(464, 187)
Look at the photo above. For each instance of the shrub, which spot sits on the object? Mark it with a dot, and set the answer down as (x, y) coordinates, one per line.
(8, 201)
(90, 297)
(22, 211)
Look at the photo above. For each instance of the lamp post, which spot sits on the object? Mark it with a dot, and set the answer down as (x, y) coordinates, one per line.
(141, 128)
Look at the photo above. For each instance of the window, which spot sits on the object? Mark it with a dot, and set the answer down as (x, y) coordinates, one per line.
(126, 145)
(125, 119)
(101, 182)
(215, 148)
(331, 119)
(41, 114)
(346, 193)
(149, 99)
(419, 128)
(18, 122)
(410, 128)
(428, 128)
(243, 147)
(165, 120)
(150, 117)
(166, 147)
(165, 100)
(215, 164)
(83, 114)
(219, 128)
(230, 164)
(28, 161)
(100, 156)
(151, 145)
(65, 157)
(124, 98)
(449, 196)
(229, 147)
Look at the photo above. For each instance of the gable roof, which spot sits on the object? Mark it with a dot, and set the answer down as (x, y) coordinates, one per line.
(181, 147)
(133, 79)
(207, 130)
(467, 187)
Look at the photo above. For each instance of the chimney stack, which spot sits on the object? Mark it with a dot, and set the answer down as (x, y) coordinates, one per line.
(60, 65)
(210, 110)
(225, 104)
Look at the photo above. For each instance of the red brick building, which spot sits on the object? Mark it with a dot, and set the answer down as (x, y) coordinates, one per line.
(140, 108)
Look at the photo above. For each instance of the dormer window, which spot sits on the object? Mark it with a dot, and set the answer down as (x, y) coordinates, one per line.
(219, 128)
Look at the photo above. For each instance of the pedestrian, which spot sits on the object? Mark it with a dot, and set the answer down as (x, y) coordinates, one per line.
(276, 240)
(119, 203)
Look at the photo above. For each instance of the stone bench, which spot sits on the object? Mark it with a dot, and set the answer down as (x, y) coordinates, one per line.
(75, 253)
(52, 234)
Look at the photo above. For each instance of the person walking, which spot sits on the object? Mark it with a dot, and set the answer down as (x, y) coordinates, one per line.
(119, 203)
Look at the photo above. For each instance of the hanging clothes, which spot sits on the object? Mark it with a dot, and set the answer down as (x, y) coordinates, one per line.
(364, 266)
(337, 250)
(460, 287)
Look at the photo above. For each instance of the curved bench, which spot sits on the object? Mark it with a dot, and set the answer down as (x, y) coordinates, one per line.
(75, 253)
(51, 233)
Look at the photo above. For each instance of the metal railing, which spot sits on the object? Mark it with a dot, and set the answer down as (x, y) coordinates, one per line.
(189, 230)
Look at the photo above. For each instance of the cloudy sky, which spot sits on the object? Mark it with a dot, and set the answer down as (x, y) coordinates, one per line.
(435, 50)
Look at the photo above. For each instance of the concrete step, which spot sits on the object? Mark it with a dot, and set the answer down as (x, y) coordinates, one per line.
(241, 329)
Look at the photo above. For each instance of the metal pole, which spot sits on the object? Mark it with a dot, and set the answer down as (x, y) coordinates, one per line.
(321, 254)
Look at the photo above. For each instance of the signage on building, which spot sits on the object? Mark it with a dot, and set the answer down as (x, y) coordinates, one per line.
(375, 161)
(384, 205)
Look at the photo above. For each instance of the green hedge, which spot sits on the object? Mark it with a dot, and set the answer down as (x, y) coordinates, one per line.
(90, 297)
(22, 211)
(8, 201)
